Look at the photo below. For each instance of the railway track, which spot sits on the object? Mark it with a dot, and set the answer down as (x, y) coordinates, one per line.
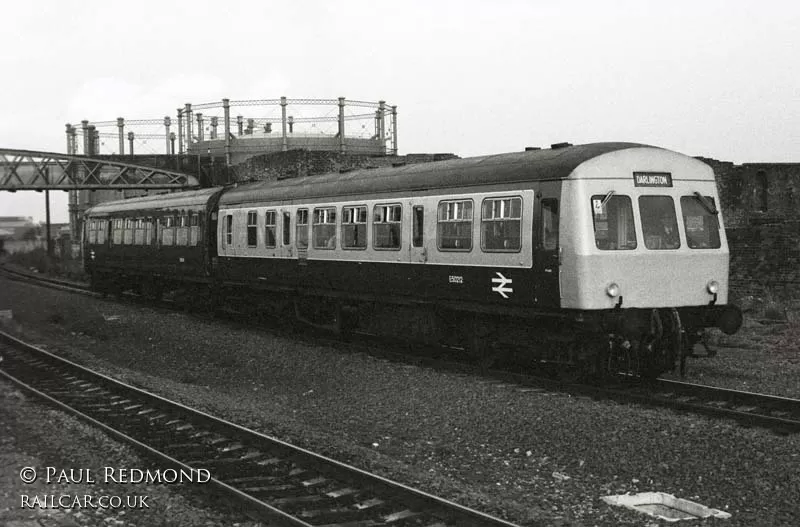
(46, 281)
(276, 481)
(780, 414)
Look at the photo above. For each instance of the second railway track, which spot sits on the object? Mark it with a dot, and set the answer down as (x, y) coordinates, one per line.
(279, 482)
(781, 414)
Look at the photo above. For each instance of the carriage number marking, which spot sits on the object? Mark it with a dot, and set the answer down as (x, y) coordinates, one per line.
(456, 279)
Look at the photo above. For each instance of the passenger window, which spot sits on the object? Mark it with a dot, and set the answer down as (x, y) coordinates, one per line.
(101, 231)
(168, 233)
(138, 232)
(128, 239)
(269, 229)
(194, 228)
(418, 226)
(501, 224)
(324, 228)
(700, 222)
(91, 230)
(659, 222)
(182, 237)
(386, 226)
(252, 228)
(454, 228)
(549, 232)
(287, 225)
(228, 230)
(613, 222)
(301, 236)
(354, 227)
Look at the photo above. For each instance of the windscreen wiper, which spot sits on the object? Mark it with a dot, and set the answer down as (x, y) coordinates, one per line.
(706, 203)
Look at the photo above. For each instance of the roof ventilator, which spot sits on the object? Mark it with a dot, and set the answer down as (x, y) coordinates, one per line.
(556, 146)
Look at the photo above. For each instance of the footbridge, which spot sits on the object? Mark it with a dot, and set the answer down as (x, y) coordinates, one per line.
(32, 170)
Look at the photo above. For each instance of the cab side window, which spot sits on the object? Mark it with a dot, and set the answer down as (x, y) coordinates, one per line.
(549, 225)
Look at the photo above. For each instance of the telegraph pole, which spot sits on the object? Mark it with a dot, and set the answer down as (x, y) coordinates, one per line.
(47, 225)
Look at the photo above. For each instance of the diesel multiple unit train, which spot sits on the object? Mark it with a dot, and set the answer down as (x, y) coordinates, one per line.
(603, 257)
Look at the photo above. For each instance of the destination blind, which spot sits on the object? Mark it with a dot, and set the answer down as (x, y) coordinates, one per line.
(652, 179)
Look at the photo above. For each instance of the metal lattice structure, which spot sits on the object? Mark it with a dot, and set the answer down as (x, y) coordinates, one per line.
(259, 126)
(31, 170)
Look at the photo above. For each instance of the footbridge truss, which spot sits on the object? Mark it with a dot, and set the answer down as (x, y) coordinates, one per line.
(31, 170)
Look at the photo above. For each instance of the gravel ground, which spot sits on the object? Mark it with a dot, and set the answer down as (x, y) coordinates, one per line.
(27, 440)
(535, 458)
(762, 357)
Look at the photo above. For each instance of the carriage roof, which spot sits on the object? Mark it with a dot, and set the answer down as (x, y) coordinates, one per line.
(534, 165)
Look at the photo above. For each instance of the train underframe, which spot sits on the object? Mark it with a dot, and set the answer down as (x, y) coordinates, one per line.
(589, 344)
(594, 344)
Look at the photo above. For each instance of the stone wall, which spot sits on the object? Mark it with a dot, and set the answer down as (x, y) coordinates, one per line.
(300, 163)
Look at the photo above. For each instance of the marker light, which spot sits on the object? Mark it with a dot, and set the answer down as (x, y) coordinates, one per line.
(612, 290)
(713, 287)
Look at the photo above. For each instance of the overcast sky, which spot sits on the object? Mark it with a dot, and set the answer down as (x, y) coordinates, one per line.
(712, 78)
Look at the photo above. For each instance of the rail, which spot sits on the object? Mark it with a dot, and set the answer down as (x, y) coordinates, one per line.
(273, 479)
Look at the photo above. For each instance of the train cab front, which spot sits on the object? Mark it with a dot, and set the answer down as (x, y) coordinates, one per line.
(652, 264)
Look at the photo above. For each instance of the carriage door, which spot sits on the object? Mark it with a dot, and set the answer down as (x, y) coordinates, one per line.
(546, 255)
(417, 250)
(285, 236)
(211, 243)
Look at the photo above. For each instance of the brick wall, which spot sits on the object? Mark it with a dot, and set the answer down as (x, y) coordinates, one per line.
(761, 206)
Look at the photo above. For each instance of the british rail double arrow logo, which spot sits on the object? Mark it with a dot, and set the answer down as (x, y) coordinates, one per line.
(502, 282)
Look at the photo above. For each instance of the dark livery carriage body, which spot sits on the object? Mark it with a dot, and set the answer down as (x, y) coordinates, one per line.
(151, 242)
(608, 256)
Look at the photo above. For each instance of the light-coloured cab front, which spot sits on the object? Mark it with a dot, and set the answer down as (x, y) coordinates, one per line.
(643, 225)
